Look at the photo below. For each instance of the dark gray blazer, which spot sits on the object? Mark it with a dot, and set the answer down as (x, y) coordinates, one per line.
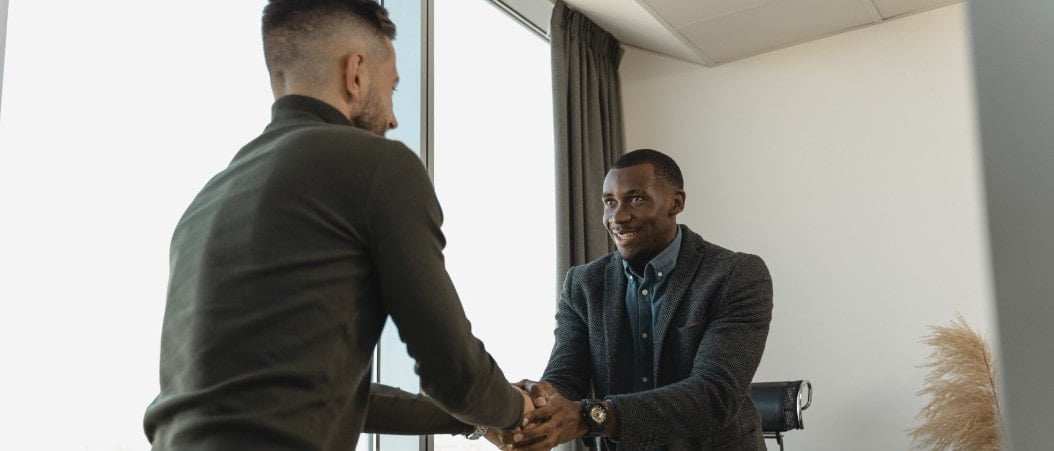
(709, 337)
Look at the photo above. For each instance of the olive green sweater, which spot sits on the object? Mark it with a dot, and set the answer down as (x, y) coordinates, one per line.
(284, 269)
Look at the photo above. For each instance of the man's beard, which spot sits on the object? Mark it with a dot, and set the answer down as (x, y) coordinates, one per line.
(371, 118)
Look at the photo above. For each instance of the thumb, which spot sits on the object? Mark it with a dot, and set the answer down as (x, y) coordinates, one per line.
(539, 391)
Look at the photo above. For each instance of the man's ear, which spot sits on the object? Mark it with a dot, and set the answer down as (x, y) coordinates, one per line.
(678, 201)
(355, 77)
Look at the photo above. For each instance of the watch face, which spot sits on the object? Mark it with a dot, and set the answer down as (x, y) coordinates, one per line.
(598, 414)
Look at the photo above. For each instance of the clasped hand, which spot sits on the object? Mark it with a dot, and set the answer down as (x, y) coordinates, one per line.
(548, 420)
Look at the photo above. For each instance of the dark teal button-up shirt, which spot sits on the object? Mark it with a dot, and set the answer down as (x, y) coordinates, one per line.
(644, 295)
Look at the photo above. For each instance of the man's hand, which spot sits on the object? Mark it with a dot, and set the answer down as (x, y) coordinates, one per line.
(503, 439)
(528, 405)
(559, 421)
(498, 438)
(540, 391)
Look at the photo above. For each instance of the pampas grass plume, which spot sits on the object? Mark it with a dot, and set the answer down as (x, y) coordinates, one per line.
(963, 410)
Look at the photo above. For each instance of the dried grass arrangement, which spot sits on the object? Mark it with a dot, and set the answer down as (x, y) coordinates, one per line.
(963, 409)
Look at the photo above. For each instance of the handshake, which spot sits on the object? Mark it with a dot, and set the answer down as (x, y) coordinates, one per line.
(548, 420)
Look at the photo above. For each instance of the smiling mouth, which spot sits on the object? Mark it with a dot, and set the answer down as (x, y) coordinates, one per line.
(623, 236)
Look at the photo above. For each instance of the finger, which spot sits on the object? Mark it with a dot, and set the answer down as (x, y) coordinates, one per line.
(506, 440)
(538, 415)
(519, 440)
(542, 390)
(534, 431)
(542, 444)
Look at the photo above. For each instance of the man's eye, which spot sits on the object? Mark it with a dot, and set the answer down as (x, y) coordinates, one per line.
(636, 199)
(609, 202)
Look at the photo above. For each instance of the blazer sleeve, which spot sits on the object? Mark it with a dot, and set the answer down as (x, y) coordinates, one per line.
(569, 369)
(724, 365)
(406, 248)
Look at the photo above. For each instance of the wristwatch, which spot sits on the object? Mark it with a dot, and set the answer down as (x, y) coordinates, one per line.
(480, 431)
(595, 414)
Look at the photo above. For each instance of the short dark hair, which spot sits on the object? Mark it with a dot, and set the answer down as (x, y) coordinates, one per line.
(664, 166)
(287, 24)
(300, 14)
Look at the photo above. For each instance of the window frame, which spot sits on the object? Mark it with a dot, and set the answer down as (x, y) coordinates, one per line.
(532, 14)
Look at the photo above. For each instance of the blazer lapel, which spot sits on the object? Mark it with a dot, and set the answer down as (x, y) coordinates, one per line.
(688, 260)
(614, 309)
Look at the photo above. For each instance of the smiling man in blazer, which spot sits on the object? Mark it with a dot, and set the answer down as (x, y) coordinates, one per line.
(656, 345)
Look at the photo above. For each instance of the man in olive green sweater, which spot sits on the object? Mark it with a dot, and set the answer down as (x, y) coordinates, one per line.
(287, 264)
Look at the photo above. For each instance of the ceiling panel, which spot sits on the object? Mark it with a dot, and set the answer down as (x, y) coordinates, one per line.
(632, 24)
(679, 13)
(893, 8)
(774, 25)
(716, 31)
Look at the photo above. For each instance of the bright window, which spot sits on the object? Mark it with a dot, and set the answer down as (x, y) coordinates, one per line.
(114, 115)
(494, 175)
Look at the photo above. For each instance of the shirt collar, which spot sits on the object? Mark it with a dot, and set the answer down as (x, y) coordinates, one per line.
(663, 263)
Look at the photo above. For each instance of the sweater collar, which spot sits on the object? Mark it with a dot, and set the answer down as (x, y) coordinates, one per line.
(292, 105)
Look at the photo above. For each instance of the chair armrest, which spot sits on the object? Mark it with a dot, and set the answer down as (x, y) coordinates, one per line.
(780, 404)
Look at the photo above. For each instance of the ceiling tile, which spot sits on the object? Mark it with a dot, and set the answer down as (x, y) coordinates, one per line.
(632, 24)
(774, 25)
(679, 13)
(893, 8)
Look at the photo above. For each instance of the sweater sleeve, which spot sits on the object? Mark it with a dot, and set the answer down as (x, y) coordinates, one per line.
(393, 411)
(406, 247)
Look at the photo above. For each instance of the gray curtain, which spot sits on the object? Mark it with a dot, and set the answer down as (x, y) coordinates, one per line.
(587, 106)
(3, 40)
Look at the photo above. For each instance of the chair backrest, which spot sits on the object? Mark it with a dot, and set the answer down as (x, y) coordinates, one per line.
(781, 403)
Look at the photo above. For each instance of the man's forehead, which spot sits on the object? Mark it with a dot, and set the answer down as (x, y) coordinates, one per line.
(641, 173)
(632, 178)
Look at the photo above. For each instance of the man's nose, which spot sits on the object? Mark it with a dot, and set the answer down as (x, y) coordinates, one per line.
(620, 214)
(393, 122)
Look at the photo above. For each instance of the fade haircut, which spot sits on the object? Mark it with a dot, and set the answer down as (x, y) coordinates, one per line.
(294, 31)
(664, 166)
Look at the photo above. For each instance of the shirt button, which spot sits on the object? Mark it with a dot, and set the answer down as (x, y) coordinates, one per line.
(644, 292)
(644, 379)
(660, 274)
(644, 335)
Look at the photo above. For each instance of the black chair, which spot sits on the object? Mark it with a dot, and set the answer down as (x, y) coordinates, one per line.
(780, 405)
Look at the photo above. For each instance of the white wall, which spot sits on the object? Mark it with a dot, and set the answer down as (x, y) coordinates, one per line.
(851, 165)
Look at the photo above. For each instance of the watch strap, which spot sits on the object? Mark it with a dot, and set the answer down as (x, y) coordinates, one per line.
(480, 431)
